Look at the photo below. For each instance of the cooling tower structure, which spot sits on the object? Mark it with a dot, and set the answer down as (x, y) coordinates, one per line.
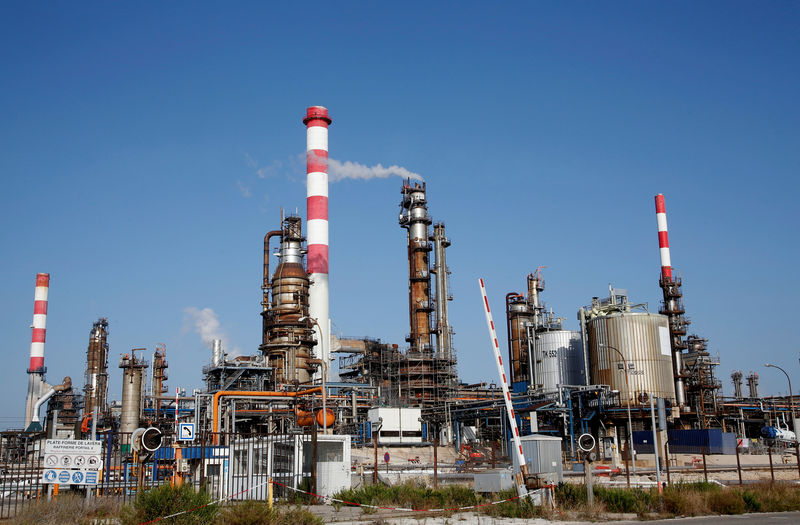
(95, 388)
(288, 337)
(423, 375)
(36, 369)
(621, 334)
(133, 387)
(317, 122)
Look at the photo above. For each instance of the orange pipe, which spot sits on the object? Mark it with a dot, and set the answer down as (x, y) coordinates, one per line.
(246, 393)
(304, 418)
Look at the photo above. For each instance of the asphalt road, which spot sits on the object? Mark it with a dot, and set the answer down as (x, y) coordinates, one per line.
(767, 518)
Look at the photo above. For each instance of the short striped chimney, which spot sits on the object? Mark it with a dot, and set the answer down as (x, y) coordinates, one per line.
(39, 323)
(36, 369)
(663, 238)
(317, 122)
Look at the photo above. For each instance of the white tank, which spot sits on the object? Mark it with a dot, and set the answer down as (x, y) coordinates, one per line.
(558, 359)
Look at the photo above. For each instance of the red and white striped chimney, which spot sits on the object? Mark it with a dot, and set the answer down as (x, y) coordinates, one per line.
(317, 122)
(663, 238)
(39, 322)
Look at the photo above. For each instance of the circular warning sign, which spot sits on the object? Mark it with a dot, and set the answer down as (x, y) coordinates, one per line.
(93, 462)
(386, 457)
(80, 461)
(66, 461)
(51, 460)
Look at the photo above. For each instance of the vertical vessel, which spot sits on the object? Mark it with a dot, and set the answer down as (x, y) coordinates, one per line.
(288, 327)
(95, 387)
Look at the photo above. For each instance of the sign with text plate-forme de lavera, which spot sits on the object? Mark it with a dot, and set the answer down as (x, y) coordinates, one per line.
(72, 461)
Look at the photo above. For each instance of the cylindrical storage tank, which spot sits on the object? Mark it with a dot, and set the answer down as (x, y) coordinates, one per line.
(558, 359)
(643, 339)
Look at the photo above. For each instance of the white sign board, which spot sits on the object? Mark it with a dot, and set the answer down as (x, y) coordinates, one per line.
(185, 431)
(72, 461)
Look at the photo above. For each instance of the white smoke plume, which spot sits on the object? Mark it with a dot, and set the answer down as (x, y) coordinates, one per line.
(338, 170)
(205, 323)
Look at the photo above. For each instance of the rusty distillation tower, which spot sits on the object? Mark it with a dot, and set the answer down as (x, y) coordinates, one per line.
(95, 388)
(288, 331)
(424, 376)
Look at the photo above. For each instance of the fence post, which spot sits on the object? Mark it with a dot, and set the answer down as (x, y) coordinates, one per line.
(314, 454)
(666, 459)
(771, 469)
(269, 493)
(738, 464)
(705, 469)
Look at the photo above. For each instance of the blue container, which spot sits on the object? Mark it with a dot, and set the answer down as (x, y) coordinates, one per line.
(692, 441)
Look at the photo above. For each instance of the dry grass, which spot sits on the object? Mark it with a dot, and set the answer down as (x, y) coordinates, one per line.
(68, 509)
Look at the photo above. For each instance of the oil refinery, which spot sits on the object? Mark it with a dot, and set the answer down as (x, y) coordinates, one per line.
(627, 365)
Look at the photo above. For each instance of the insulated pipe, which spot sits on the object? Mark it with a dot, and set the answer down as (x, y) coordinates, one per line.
(246, 393)
(317, 122)
(265, 282)
(663, 237)
(39, 403)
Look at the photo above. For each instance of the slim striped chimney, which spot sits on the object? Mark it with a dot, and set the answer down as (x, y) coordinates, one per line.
(663, 237)
(317, 122)
(36, 368)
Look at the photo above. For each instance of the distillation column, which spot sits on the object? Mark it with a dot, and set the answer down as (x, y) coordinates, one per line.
(288, 334)
(36, 369)
(414, 218)
(95, 387)
(317, 122)
(443, 331)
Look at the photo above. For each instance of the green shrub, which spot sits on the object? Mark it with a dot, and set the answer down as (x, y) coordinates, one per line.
(411, 495)
(569, 495)
(167, 499)
(67, 509)
(258, 513)
(751, 501)
(726, 502)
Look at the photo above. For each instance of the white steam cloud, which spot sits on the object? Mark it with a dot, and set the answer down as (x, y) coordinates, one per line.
(207, 326)
(338, 170)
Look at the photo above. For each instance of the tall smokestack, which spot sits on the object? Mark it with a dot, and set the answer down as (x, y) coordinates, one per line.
(673, 304)
(317, 122)
(663, 237)
(36, 367)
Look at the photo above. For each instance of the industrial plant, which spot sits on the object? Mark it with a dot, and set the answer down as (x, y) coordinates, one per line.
(633, 378)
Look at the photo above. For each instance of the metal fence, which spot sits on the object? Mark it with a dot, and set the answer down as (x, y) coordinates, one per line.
(227, 465)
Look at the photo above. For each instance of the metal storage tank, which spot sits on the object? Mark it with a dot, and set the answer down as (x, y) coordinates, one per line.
(558, 359)
(643, 338)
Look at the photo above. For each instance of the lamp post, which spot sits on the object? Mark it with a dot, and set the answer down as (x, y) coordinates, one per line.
(791, 397)
(324, 375)
(628, 388)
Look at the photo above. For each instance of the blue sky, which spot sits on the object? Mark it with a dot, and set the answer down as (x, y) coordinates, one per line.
(146, 149)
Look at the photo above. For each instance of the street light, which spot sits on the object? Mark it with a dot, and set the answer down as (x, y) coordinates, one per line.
(324, 374)
(791, 397)
(628, 388)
